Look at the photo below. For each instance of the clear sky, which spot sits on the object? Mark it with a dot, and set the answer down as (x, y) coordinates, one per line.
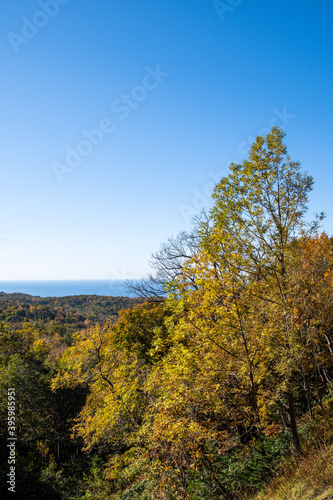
(119, 116)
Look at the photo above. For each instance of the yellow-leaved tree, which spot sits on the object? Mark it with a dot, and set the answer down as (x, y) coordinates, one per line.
(112, 360)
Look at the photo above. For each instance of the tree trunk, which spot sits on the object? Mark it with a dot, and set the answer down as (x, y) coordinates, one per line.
(307, 394)
(296, 446)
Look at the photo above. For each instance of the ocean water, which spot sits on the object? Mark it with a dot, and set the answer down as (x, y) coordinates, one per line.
(63, 288)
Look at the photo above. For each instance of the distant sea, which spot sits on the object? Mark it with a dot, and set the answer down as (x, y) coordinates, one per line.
(63, 288)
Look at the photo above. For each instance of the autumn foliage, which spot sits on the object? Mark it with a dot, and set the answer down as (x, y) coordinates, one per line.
(199, 395)
(239, 350)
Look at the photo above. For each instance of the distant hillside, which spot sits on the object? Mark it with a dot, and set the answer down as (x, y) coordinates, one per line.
(62, 315)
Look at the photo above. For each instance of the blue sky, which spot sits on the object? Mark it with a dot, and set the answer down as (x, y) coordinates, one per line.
(155, 99)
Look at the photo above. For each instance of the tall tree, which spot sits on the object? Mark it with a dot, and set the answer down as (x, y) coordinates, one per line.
(259, 211)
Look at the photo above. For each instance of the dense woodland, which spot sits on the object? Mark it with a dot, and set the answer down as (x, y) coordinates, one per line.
(203, 389)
